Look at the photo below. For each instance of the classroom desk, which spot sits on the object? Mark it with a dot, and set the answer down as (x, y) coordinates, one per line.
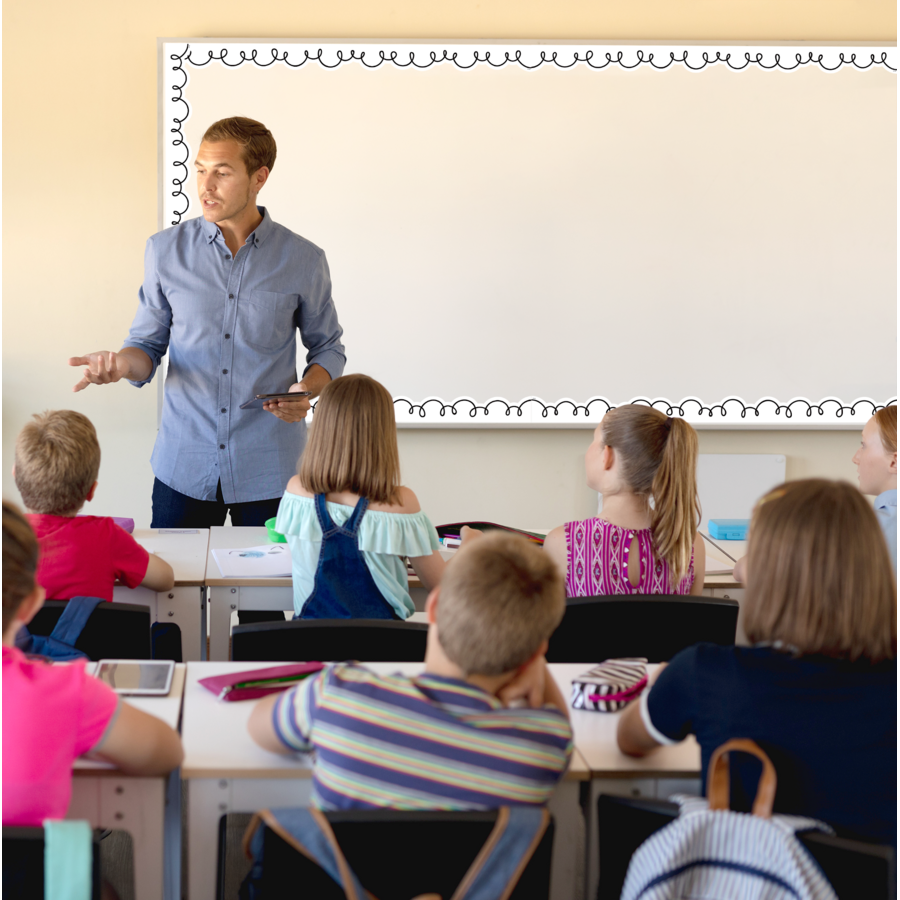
(185, 605)
(226, 772)
(149, 808)
(663, 772)
(227, 595)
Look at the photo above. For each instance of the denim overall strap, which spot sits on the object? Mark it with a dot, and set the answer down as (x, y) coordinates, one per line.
(325, 520)
(497, 868)
(344, 587)
(309, 833)
(352, 524)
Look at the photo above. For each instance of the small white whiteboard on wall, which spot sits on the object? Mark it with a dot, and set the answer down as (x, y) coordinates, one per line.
(729, 484)
(531, 233)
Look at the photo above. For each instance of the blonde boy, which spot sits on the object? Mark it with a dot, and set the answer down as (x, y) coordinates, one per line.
(57, 462)
(446, 739)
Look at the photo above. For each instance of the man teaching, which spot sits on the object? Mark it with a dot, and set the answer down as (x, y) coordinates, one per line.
(225, 294)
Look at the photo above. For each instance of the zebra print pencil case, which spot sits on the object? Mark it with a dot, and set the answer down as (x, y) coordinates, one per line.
(611, 685)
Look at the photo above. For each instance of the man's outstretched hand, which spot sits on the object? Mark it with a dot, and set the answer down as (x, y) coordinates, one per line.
(102, 367)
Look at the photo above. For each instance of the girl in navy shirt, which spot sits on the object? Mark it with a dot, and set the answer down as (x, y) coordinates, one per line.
(817, 690)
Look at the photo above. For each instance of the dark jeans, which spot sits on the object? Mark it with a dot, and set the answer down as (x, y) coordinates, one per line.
(172, 509)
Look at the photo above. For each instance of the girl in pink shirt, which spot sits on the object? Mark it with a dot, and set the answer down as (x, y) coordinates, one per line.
(55, 713)
(645, 540)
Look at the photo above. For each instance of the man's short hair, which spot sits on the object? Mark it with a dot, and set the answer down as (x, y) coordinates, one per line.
(57, 461)
(255, 140)
(500, 598)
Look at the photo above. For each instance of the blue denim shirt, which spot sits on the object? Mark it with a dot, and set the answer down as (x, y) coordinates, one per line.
(229, 327)
(886, 510)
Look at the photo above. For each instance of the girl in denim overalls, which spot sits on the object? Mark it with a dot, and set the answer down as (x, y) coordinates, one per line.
(348, 522)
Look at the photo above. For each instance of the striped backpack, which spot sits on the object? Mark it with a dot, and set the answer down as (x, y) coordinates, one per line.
(712, 853)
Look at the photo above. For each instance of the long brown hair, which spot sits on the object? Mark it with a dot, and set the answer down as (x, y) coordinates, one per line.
(886, 418)
(20, 559)
(353, 442)
(658, 457)
(819, 576)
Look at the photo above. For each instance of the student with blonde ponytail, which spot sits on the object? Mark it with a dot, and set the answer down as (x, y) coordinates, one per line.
(645, 541)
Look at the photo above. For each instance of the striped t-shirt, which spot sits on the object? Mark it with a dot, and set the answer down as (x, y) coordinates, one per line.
(428, 742)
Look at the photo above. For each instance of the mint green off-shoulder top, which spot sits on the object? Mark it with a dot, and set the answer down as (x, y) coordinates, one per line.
(385, 539)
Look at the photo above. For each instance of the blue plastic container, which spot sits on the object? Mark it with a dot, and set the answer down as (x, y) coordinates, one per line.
(729, 529)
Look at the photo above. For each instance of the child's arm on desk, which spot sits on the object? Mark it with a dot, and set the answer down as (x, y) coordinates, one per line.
(160, 576)
(699, 565)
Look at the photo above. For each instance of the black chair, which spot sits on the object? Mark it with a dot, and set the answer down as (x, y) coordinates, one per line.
(326, 640)
(437, 850)
(114, 630)
(854, 868)
(23, 864)
(654, 626)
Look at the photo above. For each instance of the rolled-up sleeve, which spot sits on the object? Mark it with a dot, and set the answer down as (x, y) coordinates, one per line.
(150, 328)
(317, 320)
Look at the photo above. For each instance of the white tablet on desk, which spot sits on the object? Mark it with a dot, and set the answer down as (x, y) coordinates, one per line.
(137, 677)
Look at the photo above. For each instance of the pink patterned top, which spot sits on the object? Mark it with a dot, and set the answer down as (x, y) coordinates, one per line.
(597, 562)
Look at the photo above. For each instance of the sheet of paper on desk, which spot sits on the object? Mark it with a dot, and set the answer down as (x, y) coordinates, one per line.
(266, 561)
(717, 567)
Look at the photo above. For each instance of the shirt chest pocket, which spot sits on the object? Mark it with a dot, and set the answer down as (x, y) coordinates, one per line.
(266, 321)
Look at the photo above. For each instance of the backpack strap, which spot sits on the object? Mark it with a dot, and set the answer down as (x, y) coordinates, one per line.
(309, 833)
(718, 779)
(68, 859)
(71, 623)
(496, 870)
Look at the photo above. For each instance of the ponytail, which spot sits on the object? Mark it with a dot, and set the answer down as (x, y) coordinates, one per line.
(886, 418)
(676, 506)
(659, 459)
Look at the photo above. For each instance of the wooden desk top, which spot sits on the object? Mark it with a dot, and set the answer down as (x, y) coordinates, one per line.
(185, 552)
(217, 745)
(167, 708)
(595, 738)
(233, 537)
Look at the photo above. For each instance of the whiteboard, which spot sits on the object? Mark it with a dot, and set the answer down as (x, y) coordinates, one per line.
(529, 234)
(729, 484)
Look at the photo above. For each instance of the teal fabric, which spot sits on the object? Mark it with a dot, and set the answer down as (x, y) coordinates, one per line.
(384, 538)
(68, 860)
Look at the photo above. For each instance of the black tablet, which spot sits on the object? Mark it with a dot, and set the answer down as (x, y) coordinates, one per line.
(259, 399)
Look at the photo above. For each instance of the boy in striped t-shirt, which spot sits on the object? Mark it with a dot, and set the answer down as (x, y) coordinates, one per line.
(484, 726)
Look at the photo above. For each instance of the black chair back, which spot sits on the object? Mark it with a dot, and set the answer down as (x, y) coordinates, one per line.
(328, 640)
(854, 868)
(114, 630)
(23, 864)
(656, 626)
(438, 848)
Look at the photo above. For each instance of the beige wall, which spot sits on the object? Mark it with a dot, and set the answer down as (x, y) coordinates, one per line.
(536, 478)
(80, 194)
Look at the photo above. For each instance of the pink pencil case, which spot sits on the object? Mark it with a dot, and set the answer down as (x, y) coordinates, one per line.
(610, 686)
(125, 524)
(259, 682)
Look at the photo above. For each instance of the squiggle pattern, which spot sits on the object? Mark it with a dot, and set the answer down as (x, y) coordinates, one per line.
(696, 61)
(597, 406)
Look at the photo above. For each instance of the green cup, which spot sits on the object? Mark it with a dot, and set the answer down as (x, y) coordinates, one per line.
(274, 536)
